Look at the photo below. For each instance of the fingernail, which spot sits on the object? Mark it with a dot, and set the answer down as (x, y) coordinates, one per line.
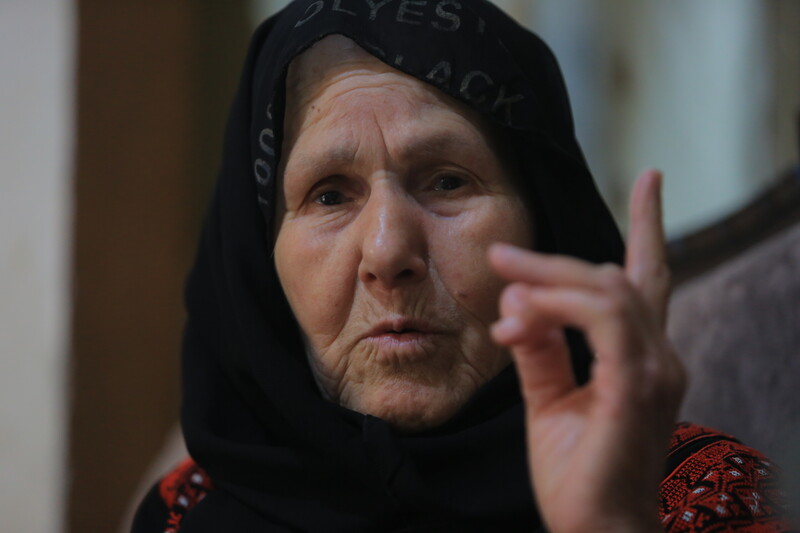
(514, 299)
(498, 247)
(507, 328)
(503, 249)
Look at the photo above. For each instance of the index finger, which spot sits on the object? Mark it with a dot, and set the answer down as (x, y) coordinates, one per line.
(646, 258)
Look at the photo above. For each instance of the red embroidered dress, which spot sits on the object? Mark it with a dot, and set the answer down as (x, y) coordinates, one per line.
(714, 483)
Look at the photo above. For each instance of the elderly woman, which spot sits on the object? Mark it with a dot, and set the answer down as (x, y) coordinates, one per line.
(389, 168)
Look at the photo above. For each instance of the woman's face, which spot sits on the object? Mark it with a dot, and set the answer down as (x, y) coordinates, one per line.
(391, 193)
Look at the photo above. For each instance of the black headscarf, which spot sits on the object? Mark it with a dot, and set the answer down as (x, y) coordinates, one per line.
(282, 457)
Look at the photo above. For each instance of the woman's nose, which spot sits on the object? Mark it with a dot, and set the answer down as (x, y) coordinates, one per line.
(394, 248)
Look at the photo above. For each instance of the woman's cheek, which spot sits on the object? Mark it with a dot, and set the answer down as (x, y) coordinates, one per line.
(475, 285)
(469, 280)
(481, 298)
(306, 267)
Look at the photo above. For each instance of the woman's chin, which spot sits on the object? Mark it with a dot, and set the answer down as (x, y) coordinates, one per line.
(412, 407)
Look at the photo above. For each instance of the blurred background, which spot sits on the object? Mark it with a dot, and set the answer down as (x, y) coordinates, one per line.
(111, 121)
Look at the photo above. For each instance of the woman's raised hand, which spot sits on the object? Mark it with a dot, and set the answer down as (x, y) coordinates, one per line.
(596, 452)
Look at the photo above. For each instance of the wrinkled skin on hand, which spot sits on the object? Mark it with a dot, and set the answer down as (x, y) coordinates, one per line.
(595, 452)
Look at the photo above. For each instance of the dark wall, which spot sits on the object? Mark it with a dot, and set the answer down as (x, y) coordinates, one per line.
(154, 81)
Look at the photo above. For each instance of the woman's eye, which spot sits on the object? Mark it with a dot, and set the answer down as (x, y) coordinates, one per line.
(331, 198)
(448, 183)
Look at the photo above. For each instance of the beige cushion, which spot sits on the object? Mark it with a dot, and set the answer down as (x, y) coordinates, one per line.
(737, 329)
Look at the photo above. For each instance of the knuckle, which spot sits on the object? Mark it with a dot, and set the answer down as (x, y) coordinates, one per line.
(664, 273)
(662, 276)
(614, 304)
(680, 377)
(512, 300)
(673, 378)
(662, 378)
(655, 375)
(612, 277)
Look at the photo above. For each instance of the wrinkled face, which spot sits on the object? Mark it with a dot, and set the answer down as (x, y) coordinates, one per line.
(391, 193)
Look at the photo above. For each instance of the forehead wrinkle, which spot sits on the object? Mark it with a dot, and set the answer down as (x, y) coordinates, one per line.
(313, 104)
(406, 148)
(318, 78)
(434, 127)
(353, 79)
(329, 138)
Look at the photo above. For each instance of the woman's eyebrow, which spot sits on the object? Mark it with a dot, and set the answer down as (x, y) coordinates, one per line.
(441, 142)
(325, 157)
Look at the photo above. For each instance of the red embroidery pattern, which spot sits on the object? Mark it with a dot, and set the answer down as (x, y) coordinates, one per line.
(182, 489)
(686, 433)
(723, 486)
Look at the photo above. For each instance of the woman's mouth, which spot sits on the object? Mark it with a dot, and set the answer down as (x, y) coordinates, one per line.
(402, 339)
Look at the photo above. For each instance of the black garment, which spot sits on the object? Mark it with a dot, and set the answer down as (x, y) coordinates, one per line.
(282, 457)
